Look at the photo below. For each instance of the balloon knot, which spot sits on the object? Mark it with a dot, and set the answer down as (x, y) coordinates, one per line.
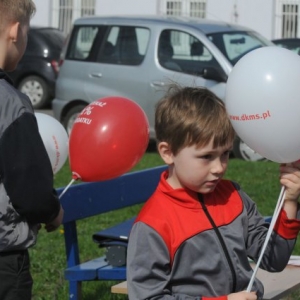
(75, 176)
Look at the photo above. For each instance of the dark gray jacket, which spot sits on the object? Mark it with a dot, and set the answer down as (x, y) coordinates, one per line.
(27, 197)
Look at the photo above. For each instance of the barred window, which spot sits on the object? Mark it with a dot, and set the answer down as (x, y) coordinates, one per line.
(174, 8)
(192, 8)
(289, 20)
(286, 21)
(197, 9)
(65, 12)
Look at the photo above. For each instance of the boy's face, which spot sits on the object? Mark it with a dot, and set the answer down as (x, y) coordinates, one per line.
(198, 169)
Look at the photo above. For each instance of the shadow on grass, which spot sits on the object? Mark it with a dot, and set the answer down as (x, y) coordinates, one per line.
(100, 290)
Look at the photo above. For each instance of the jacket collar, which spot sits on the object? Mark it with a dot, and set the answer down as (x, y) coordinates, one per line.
(189, 198)
(3, 75)
(181, 196)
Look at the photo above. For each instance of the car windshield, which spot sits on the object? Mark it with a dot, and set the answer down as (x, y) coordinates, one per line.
(291, 44)
(234, 45)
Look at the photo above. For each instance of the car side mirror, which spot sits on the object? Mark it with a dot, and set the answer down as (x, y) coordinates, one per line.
(213, 73)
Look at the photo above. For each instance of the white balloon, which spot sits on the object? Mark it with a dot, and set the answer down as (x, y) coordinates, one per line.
(55, 139)
(263, 102)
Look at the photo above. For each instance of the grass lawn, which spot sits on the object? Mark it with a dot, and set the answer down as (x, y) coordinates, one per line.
(258, 179)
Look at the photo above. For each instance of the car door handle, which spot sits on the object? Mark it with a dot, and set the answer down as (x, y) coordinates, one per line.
(96, 75)
(157, 83)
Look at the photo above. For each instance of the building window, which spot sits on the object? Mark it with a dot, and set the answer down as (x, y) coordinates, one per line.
(87, 7)
(174, 8)
(197, 9)
(286, 21)
(191, 8)
(289, 20)
(65, 12)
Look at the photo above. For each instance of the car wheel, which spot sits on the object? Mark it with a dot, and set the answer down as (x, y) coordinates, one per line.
(71, 116)
(36, 89)
(243, 151)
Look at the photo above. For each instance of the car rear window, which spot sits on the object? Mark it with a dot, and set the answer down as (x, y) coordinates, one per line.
(55, 38)
(125, 45)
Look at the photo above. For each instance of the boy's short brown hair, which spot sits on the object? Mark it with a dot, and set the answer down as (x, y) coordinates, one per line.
(192, 116)
(15, 11)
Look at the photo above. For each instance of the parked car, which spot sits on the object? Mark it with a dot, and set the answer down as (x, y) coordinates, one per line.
(138, 57)
(289, 43)
(37, 71)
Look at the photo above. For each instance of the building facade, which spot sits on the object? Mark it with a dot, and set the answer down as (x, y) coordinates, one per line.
(272, 18)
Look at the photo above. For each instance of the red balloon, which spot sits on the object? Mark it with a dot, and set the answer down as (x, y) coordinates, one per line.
(108, 138)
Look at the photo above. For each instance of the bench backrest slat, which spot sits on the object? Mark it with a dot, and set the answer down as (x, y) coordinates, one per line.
(88, 199)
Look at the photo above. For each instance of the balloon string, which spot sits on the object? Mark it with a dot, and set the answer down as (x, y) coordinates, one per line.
(272, 224)
(66, 188)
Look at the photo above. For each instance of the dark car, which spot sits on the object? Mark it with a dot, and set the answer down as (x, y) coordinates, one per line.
(37, 71)
(289, 43)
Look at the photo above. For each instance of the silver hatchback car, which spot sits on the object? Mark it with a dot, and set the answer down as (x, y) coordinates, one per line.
(138, 58)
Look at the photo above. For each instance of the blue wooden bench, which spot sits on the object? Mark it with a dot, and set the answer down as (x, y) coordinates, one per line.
(85, 200)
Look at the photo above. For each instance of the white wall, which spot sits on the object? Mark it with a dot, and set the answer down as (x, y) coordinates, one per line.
(126, 7)
(255, 14)
(42, 16)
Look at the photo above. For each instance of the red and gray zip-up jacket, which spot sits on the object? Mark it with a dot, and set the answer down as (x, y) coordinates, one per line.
(27, 197)
(180, 248)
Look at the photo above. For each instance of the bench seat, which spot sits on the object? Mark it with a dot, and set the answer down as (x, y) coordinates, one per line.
(89, 199)
(96, 269)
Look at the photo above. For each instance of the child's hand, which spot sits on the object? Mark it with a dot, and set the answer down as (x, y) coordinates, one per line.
(290, 178)
(242, 296)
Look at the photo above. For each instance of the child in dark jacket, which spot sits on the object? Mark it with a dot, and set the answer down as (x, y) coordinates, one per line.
(193, 237)
(27, 196)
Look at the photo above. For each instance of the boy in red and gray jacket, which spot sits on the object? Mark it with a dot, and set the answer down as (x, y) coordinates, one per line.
(193, 237)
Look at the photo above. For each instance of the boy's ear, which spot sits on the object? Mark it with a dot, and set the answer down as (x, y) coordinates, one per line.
(165, 152)
(13, 33)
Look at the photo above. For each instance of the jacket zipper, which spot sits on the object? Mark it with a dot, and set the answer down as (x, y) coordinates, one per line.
(225, 250)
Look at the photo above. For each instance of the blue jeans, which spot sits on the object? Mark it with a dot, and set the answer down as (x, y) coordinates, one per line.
(15, 278)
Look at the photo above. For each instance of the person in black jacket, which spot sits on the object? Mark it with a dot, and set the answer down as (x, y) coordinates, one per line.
(27, 196)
